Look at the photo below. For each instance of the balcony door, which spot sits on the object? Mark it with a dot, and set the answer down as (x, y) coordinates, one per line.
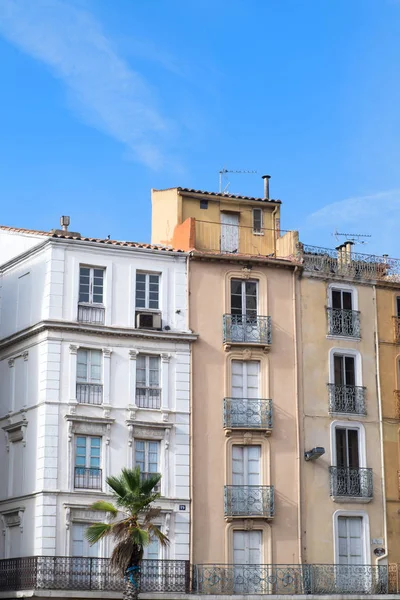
(229, 232)
(342, 322)
(347, 461)
(350, 545)
(245, 387)
(247, 559)
(244, 304)
(85, 572)
(345, 381)
(342, 299)
(247, 496)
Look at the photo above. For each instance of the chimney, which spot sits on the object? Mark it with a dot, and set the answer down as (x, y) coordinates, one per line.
(64, 222)
(266, 186)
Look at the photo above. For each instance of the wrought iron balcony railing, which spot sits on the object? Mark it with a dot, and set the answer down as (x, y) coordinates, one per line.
(249, 501)
(346, 399)
(247, 329)
(91, 313)
(351, 482)
(88, 478)
(344, 322)
(94, 574)
(396, 329)
(247, 413)
(89, 393)
(290, 580)
(148, 397)
(346, 263)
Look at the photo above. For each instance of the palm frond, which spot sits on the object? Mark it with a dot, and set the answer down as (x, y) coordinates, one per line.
(147, 486)
(131, 480)
(150, 514)
(155, 532)
(117, 486)
(97, 531)
(124, 555)
(105, 506)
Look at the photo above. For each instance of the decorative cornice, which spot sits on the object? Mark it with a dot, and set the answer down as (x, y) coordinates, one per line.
(102, 330)
(73, 349)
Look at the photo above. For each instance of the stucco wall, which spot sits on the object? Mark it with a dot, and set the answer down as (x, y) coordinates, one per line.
(211, 469)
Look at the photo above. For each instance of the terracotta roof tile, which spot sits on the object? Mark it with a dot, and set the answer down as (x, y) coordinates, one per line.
(218, 195)
(105, 242)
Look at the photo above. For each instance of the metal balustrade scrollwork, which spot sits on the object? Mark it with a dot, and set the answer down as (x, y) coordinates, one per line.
(247, 413)
(346, 399)
(249, 501)
(88, 478)
(396, 329)
(344, 322)
(91, 574)
(247, 329)
(290, 579)
(89, 393)
(351, 482)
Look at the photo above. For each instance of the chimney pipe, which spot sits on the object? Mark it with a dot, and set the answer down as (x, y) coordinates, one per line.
(266, 186)
(64, 222)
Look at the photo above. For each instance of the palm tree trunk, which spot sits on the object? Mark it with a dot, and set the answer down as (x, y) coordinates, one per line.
(132, 583)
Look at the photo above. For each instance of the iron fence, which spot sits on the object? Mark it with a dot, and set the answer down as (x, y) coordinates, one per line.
(247, 413)
(290, 579)
(346, 399)
(343, 322)
(249, 501)
(351, 482)
(247, 329)
(346, 263)
(89, 393)
(88, 478)
(75, 573)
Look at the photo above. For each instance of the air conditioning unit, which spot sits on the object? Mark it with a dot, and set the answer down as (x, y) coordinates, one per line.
(145, 320)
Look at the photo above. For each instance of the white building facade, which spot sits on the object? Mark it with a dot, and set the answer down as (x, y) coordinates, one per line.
(94, 376)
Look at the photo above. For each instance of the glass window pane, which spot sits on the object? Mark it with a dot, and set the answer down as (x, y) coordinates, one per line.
(81, 370)
(98, 274)
(236, 286)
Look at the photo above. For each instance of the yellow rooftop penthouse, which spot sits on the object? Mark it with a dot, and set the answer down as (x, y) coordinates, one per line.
(221, 223)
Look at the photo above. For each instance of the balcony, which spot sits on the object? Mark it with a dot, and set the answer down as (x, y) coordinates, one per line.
(148, 398)
(291, 580)
(396, 404)
(249, 501)
(351, 484)
(343, 322)
(89, 574)
(89, 393)
(396, 329)
(248, 413)
(347, 399)
(87, 478)
(91, 313)
(247, 330)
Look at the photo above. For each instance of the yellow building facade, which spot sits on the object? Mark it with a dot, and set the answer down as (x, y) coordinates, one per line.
(388, 304)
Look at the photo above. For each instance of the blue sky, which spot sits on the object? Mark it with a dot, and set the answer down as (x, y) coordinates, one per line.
(103, 100)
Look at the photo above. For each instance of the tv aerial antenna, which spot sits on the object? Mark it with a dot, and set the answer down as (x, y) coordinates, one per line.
(224, 182)
(356, 238)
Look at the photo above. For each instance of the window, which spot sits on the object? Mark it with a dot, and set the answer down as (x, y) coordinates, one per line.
(91, 284)
(397, 306)
(204, 204)
(152, 551)
(147, 457)
(349, 476)
(344, 370)
(342, 299)
(243, 297)
(89, 388)
(347, 455)
(257, 220)
(346, 394)
(147, 291)
(148, 391)
(87, 462)
(247, 558)
(245, 379)
(81, 546)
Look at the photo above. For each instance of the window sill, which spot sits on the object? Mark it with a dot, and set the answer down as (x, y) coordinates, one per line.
(345, 338)
(347, 414)
(258, 233)
(350, 500)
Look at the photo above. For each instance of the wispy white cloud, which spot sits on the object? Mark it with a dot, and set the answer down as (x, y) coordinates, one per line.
(103, 88)
(376, 214)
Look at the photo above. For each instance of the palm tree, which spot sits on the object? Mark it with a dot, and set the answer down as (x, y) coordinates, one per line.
(130, 523)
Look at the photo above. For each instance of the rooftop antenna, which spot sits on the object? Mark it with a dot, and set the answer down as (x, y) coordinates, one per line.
(356, 238)
(223, 189)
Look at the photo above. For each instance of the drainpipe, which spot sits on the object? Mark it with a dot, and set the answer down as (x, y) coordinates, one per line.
(274, 225)
(298, 457)
(378, 385)
(190, 416)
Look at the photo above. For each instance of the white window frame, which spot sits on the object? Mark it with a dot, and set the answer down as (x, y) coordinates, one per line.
(245, 376)
(88, 379)
(147, 291)
(357, 363)
(91, 279)
(243, 293)
(147, 374)
(258, 231)
(366, 533)
(343, 287)
(362, 455)
(148, 441)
